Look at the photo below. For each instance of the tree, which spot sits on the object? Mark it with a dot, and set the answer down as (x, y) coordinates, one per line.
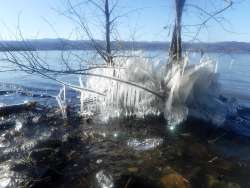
(107, 9)
(175, 47)
(175, 52)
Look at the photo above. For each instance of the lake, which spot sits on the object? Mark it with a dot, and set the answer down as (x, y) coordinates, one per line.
(233, 69)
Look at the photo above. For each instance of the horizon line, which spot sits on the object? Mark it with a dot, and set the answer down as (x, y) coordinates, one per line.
(88, 40)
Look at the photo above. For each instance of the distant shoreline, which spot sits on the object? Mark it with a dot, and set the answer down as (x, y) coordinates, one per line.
(64, 45)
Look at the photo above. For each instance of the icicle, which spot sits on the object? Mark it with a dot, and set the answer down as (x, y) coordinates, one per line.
(61, 100)
(216, 67)
(81, 95)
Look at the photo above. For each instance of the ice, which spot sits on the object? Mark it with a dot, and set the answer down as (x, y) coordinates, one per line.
(104, 180)
(185, 83)
(124, 98)
(144, 144)
(138, 87)
(61, 100)
(5, 175)
(18, 125)
(4, 182)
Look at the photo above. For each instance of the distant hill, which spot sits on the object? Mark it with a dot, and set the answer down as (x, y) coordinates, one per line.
(64, 44)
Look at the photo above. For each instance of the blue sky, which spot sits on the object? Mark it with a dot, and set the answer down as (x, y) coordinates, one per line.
(41, 19)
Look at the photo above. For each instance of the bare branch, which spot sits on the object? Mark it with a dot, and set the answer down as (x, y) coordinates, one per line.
(210, 16)
(97, 5)
(114, 7)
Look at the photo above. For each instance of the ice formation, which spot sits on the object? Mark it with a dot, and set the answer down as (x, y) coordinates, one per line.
(5, 175)
(144, 144)
(104, 180)
(139, 86)
(61, 100)
(127, 89)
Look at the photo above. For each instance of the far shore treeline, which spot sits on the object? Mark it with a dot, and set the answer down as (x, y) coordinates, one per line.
(64, 44)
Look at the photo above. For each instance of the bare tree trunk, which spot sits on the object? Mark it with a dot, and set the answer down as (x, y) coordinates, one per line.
(176, 46)
(108, 43)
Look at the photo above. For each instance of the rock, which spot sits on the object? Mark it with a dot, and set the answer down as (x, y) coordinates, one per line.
(134, 181)
(185, 135)
(198, 151)
(233, 185)
(81, 183)
(43, 154)
(133, 169)
(194, 172)
(213, 182)
(70, 154)
(174, 180)
(168, 170)
(224, 165)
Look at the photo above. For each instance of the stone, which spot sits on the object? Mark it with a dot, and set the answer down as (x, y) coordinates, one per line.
(42, 154)
(224, 165)
(168, 170)
(174, 180)
(185, 135)
(133, 169)
(213, 182)
(233, 185)
(198, 151)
